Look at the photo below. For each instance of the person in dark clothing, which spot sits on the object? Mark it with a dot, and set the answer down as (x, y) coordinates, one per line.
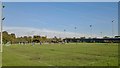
(40, 43)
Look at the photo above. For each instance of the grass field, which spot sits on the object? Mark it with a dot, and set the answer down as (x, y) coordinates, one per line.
(80, 54)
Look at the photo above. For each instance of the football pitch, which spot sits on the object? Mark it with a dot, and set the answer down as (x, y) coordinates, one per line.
(69, 54)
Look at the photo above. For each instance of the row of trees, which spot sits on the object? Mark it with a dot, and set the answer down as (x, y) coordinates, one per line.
(12, 39)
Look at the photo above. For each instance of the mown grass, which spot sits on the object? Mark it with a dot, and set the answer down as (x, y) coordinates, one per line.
(72, 54)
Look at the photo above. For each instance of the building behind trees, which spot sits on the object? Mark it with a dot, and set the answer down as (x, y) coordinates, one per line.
(12, 39)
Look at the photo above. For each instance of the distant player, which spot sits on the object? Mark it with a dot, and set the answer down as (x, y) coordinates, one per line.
(33, 43)
(40, 43)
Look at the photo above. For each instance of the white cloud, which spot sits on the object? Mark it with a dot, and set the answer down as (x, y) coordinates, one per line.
(28, 31)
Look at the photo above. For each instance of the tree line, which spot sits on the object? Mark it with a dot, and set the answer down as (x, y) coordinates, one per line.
(12, 39)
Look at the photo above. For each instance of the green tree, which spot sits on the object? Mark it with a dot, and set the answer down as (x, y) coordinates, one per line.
(5, 37)
(12, 38)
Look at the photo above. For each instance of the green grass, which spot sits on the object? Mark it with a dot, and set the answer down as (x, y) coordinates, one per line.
(80, 54)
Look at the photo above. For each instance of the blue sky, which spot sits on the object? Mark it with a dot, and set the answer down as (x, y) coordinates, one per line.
(60, 0)
(57, 16)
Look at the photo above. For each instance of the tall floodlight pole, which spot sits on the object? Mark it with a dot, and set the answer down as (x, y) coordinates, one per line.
(0, 26)
(101, 34)
(112, 28)
(75, 30)
(0, 34)
(64, 34)
(1, 21)
(91, 30)
(33, 32)
(75, 34)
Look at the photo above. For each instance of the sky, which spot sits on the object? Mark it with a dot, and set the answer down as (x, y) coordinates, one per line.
(52, 18)
(60, 0)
